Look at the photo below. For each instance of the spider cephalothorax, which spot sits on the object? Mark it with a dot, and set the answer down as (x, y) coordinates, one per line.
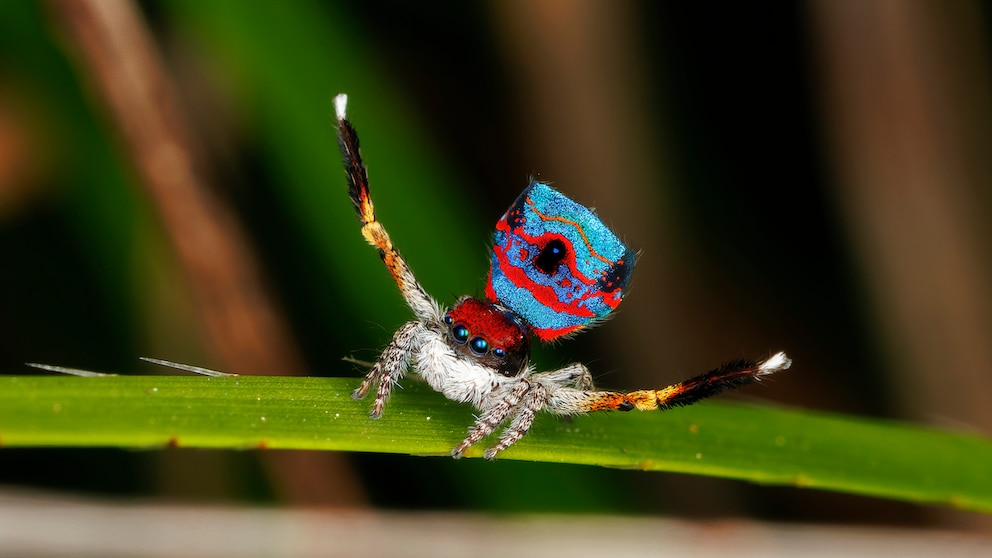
(489, 333)
(556, 269)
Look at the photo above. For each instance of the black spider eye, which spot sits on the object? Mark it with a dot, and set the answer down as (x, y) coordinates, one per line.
(478, 345)
(499, 353)
(447, 320)
(460, 333)
(551, 256)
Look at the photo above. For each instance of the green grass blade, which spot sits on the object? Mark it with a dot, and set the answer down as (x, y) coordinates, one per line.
(765, 445)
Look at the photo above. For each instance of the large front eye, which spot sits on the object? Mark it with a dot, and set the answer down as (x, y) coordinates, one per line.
(460, 333)
(479, 345)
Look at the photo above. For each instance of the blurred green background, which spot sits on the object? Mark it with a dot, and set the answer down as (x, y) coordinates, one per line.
(810, 177)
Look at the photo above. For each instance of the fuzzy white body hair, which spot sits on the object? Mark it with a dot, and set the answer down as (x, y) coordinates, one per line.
(457, 378)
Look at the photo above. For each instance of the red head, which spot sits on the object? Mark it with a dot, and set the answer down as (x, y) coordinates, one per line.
(490, 333)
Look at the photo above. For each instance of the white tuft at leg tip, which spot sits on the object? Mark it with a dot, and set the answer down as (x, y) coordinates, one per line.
(340, 103)
(776, 363)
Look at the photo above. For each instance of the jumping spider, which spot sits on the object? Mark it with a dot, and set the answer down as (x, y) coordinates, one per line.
(556, 268)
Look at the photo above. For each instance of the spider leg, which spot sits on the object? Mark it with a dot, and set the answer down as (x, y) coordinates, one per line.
(729, 376)
(390, 367)
(493, 417)
(375, 234)
(533, 402)
(575, 375)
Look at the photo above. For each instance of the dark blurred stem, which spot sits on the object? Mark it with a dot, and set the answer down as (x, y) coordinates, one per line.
(115, 54)
(905, 101)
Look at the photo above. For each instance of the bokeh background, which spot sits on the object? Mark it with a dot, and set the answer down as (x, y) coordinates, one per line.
(808, 176)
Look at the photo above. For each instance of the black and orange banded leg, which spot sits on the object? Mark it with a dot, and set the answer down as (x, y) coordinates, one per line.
(729, 376)
(375, 234)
